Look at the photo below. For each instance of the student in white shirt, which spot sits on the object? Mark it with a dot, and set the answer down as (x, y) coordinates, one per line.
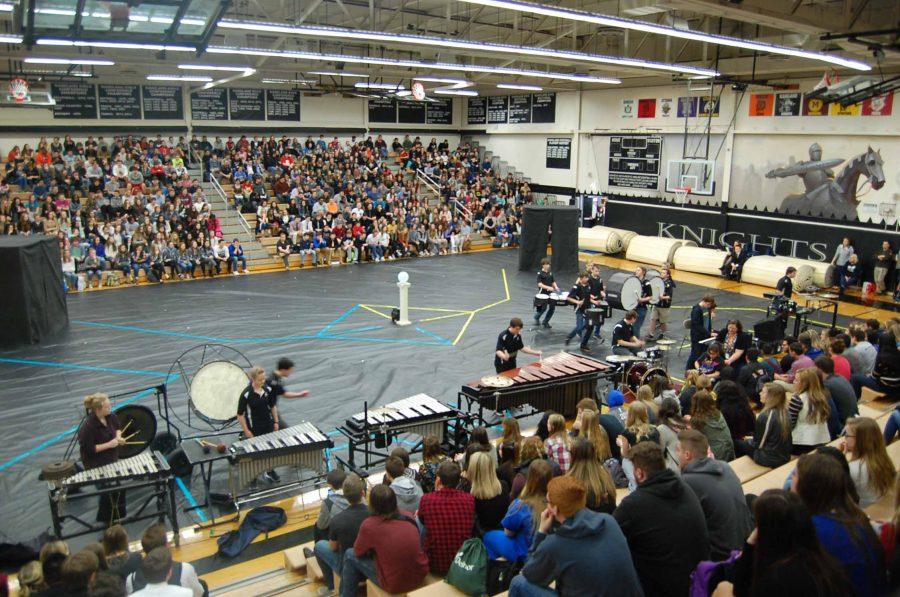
(156, 568)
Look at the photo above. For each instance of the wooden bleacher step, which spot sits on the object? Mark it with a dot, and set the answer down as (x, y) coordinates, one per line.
(374, 590)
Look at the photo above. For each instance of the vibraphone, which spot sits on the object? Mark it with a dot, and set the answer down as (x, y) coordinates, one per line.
(371, 431)
(557, 383)
(146, 470)
(300, 446)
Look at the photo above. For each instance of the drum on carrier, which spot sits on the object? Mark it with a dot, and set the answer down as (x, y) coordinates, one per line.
(541, 300)
(657, 285)
(623, 291)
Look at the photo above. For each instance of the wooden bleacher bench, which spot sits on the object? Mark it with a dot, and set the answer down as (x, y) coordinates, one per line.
(774, 479)
(430, 579)
(746, 469)
(295, 560)
(621, 492)
(437, 589)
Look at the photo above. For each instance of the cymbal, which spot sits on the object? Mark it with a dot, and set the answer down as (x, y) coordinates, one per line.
(496, 381)
(621, 358)
(665, 341)
(827, 295)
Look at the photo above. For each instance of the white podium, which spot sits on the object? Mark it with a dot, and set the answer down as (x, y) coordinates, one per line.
(404, 303)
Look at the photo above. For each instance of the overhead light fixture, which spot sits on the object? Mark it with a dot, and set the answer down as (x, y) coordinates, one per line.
(193, 21)
(81, 74)
(472, 68)
(237, 69)
(190, 78)
(443, 42)
(704, 88)
(116, 45)
(572, 14)
(462, 82)
(403, 93)
(10, 39)
(519, 87)
(7, 7)
(287, 81)
(82, 61)
(448, 91)
(389, 86)
(337, 73)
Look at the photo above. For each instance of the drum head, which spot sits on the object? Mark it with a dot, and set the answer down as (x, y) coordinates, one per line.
(496, 381)
(636, 375)
(653, 372)
(623, 291)
(138, 424)
(215, 391)
(542, 297)
(657, 288)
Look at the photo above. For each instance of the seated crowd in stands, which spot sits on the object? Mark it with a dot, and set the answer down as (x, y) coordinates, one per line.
(128, 204)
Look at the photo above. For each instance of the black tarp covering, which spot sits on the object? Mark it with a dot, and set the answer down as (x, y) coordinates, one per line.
(536, 224)
(564, 241)
(31, 285)
(535, 234)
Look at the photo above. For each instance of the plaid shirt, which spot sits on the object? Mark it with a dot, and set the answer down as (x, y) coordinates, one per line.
(448, 516)
(557, 451)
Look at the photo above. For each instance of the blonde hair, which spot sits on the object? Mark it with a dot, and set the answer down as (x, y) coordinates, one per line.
(809, 382)
(254, 371)
(595, 434)
(638, 421)
(532, 448)
(704, 382)
(869, 447)
(511, 433)
(31, 578)
(776, 404)
(483, 478)
(94, 402)
(52, 547)
(556, 423)
(690, 378)
(587, 467)
(645, 395)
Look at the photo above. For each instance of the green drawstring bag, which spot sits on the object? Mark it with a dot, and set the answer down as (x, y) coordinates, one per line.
(468, 572)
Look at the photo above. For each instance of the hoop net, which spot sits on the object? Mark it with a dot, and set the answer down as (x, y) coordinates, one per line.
(681, 194)
(18, 90)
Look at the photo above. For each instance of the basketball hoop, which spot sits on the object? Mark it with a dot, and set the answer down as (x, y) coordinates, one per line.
(18, 91)
(681, 194)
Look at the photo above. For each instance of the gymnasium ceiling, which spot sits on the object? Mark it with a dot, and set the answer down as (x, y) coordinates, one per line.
(228, 33)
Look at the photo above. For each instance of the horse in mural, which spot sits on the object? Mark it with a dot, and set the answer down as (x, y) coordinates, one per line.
(827, 195)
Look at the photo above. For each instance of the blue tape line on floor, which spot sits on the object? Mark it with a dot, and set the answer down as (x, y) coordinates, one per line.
(341, 318)
(441, 339)
(82, 367)
(60, 436)
(190, 499)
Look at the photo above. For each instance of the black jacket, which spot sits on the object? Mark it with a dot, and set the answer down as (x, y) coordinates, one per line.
(699, 324)
(666, 532)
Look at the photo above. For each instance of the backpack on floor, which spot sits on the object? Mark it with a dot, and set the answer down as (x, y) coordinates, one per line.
(500, 575)
(468, 572)
(259, 520)
(707, 575)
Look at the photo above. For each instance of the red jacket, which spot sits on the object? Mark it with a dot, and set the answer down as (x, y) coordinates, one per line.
(399, 560)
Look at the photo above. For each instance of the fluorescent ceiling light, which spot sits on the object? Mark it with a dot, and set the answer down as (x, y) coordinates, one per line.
(337, 73)
(84, 61)
(447, 91)
(116, 45)
(635, 25)
(10, 39)
(471, 68)
(7, 6)
(81, 74)
(191, 78)
(193, 21)
(442, 80)
(390, 86)
(237, 69)
(287, 81)
(443, 42)
(403, 93)
(520, 87)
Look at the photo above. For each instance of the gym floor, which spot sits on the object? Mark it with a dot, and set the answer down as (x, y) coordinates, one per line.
(333, 323)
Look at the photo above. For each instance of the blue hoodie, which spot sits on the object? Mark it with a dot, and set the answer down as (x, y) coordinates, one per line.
(587, 555)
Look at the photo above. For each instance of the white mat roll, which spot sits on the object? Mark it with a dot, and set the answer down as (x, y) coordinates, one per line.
(699, 260)
(823, 272)
(654, 250)
(600, 238)
(766, 271)
(625, 235)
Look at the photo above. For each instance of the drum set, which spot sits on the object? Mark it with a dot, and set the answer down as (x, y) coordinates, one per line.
(639, 369)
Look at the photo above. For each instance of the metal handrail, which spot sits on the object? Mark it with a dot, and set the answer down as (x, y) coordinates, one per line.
(197, 160)
(429, 182)
(244, 223)
(460, 210)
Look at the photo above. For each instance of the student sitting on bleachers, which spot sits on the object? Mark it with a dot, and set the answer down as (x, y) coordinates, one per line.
(182, 574)
(447, 515)
(885, 375)
(771, 444)
(333, 504)
(387, 549)
(522, 517)
(708, 420)
(870, 466)
(585, 555)
(719, 491)
(342, 533)
(157, 568)
(78, 572)
(588, 469)
(491, 495)
(843, 529)
(408, 492)
(663, 523)
(532, 449)
(839, 388)
(809, 412)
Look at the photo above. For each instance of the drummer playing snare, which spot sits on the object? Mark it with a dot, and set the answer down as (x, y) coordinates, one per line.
(624, 339)
(598, 293)
(509, 343)
(546, 284)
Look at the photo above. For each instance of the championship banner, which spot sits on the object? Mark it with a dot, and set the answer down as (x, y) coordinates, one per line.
(787, 104)
(814, 107)
(839, 110)
(880, 105)
(761, 104)
(646, 108)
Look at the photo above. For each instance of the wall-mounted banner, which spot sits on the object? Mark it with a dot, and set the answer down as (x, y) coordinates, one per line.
(559, 153)
(646, 108)
(761, 104)
(788, 104)
(814, 107)
(880, 105)
(709, 106)
(628, 108)
(687, 106)
(839, 110)
(665, 107)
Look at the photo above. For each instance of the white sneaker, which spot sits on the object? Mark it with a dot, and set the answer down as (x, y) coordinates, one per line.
(325, 592)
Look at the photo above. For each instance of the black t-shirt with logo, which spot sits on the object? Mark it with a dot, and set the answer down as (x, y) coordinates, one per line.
(668, 290)
(596, 285)
(511, 343)
(785, 286)
(622, 331)
(257, 408)
(581, 293)
(545, 278)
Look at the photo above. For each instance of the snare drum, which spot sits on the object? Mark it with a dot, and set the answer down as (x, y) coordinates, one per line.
(560, 299)
(623, 291)
(594, 316)
(541, 300)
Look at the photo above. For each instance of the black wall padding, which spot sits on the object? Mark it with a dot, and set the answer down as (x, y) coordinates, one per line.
(564, 240)
(31, 284)
(535, 234)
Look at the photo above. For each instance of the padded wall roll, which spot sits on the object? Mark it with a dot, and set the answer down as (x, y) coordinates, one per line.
(766, 271)
(535, 234)
(655, 250)
(599, 238)
(699, 260)
(564, 241)
(31, 283)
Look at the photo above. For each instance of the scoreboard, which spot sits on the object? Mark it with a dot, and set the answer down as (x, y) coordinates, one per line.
(634, 161)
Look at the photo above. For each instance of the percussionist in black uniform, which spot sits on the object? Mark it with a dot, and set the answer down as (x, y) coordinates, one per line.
(786, 284)
(509, 343)
(659, 319)
(580, 296)
(99, 439)
(624, 338)
(646, 296)
(545, 284)
(275, 381)
(257, 410)
(598, 293)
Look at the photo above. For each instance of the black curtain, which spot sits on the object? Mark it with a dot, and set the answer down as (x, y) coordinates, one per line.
(535, 234)
(31, 284)
(564, 242)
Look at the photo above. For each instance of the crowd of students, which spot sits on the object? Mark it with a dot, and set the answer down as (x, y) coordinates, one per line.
(332, 200)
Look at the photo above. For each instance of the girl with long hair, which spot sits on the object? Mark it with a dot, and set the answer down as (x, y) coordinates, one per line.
(558, 443)
(510, 433)
(637, 425)
(870, 466)
(601, 491)
(732, 402)
(491, 496)
(644, 395)
(670, 425)
(592, 431)
(809, 412)
(522, 517)
(708, 420)
(771, 443)
(432, 456)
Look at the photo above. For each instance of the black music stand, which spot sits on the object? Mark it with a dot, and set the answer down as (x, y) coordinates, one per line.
(196, 456)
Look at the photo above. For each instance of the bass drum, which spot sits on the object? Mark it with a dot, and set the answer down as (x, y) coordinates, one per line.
(623, 291)
(641, 373)
(657, 285)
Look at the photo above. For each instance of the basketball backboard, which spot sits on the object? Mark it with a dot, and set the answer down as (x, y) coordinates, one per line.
(697, 175)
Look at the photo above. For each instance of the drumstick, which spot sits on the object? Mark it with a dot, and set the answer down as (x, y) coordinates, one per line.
(126, 425)
(134, 443)
(131, 436)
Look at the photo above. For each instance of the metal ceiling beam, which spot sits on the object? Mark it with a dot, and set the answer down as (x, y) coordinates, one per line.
(176, 20)
(283, 39)
(79, 14)
(212, 25)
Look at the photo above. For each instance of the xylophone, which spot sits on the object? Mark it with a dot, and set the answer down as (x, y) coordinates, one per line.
(557, 383)
(147, 465)
(373, 430)
(301, 446)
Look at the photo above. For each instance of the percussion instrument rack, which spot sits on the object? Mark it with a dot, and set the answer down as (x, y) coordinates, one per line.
(787, 308)
(159, 503)
(370, 434)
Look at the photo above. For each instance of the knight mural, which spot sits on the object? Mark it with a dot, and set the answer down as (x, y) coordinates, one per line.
(826, 194)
